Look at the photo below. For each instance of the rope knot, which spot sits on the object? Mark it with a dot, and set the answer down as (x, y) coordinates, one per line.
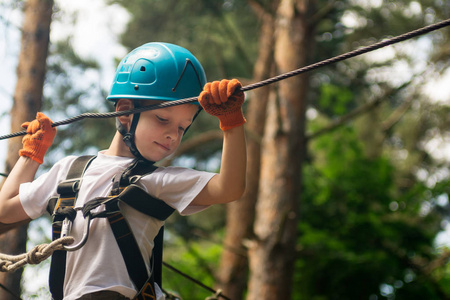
(4, 265)
(34, 255)
(10, 263)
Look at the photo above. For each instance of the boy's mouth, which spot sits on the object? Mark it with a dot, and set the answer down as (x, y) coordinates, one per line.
(165, 147)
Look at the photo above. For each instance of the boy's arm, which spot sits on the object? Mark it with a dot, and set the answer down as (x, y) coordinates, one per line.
(219, 99)
(39, 137)
(11, 209)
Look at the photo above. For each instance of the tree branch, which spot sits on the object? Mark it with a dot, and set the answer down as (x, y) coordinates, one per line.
(344, 119)
(395, 117)
(362, 110)
(322, 13)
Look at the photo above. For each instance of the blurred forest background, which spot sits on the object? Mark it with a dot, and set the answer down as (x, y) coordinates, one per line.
(348, 171)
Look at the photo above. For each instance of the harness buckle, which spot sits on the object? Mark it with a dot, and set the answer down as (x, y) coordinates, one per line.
(134, 179)
(69, 186)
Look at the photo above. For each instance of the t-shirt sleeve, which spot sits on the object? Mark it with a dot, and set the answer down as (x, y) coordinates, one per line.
(178, 187)
(34, 195)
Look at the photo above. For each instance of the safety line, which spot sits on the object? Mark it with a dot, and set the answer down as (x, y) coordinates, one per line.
(311, 67)
(351, 54)
(194, 280)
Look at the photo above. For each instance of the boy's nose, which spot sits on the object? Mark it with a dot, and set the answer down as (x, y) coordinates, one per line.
(172, 133)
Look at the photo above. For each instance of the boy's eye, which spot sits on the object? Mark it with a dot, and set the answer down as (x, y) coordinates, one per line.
(181, 129)
(161, 119)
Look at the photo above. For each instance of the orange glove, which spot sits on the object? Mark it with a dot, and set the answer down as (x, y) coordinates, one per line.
(218, 99)
(39, 137)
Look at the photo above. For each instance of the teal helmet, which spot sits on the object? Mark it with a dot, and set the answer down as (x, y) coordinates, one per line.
(158, 71)
(155, 71)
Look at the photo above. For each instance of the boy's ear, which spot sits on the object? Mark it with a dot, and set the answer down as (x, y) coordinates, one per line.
(123, 105)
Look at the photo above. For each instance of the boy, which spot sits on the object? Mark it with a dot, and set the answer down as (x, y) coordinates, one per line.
(152, 72)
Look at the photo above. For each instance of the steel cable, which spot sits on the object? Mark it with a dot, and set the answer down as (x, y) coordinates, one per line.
(308, 68)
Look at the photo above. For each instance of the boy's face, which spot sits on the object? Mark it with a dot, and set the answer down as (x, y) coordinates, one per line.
(159, 132)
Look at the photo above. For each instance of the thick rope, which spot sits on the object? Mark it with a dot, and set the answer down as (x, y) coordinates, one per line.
(329, 61)
(10, 263)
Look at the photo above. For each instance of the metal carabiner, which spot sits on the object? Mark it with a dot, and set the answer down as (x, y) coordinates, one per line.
(87, 222)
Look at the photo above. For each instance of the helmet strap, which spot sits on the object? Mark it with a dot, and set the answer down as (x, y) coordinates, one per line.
(128, 136)
(193, 119)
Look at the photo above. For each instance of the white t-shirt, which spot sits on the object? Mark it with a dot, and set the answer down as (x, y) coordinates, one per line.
(99, 265)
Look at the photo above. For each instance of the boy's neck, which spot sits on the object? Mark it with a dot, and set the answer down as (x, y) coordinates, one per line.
(118, 147)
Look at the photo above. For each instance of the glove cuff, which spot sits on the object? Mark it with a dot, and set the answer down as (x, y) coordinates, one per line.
(232, 120)
(32, 155)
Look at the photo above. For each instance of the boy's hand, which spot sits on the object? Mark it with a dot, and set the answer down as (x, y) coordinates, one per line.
(218, 99)
(39, 137)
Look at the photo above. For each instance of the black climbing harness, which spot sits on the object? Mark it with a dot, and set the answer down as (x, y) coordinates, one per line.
(124, 190)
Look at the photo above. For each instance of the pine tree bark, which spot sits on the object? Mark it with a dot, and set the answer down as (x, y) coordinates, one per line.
(233, 271)
(27, 101)
(272, 252)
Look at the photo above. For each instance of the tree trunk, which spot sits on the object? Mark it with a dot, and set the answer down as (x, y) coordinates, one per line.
(272, 253)
(240, 214)
(27, 101)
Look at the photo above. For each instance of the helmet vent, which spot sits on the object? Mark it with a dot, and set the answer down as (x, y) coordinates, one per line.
(142, 68)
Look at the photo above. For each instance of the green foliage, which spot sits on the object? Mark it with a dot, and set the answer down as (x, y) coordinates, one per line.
(349, 25)
(358, 231)
(221, 34)
(335, 99)
(198, 260)
(367, 222)
(207, 224)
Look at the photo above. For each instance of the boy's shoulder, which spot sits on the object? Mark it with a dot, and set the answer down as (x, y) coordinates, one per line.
(64, 163)
(60, 169)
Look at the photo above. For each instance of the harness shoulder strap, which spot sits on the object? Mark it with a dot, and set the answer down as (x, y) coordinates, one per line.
(140, 200)
(68, 190)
